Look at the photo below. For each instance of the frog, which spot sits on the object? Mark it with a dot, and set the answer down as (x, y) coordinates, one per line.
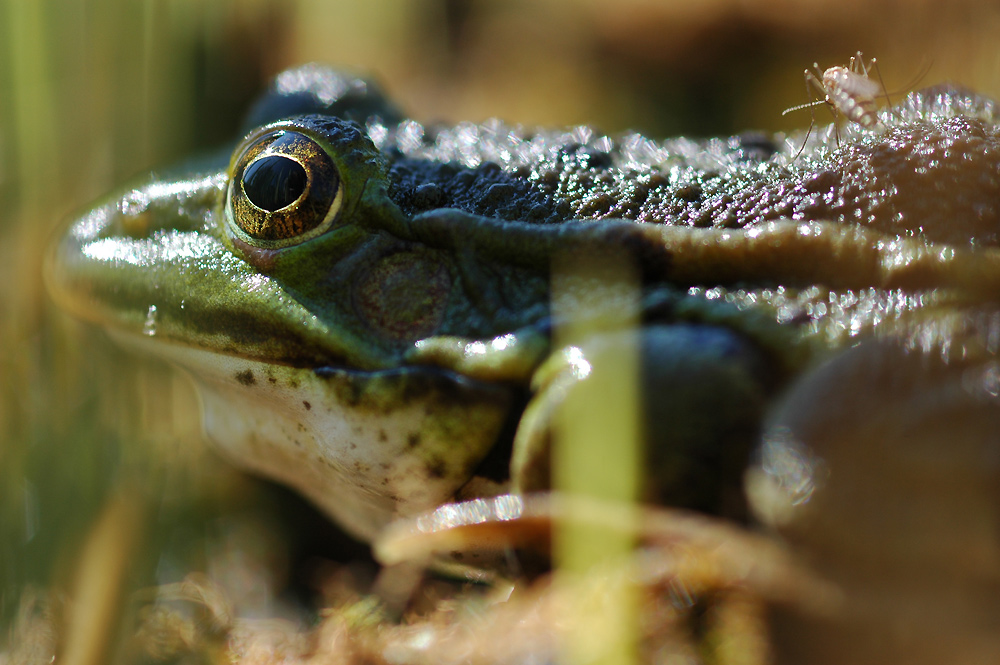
(365, 301)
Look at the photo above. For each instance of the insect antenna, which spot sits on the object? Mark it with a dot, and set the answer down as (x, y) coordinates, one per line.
(811, 78)
(815, 102)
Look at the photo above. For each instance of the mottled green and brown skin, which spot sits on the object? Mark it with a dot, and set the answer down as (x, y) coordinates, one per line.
(379, 345)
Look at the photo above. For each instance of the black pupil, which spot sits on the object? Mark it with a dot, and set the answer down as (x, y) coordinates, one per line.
(273, 182)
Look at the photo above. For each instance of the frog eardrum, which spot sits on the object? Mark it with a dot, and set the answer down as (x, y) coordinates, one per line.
(285, 189)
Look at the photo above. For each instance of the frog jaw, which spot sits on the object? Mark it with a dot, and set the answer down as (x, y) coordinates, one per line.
(366, 447)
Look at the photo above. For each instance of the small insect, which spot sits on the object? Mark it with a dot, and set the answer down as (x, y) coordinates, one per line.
(846, 90)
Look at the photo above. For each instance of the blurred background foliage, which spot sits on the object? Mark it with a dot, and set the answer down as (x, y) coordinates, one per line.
(93, 92)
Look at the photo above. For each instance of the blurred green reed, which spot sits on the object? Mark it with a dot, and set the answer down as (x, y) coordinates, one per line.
(92, 93)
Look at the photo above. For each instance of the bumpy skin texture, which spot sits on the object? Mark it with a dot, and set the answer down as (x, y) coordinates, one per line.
(748, 260)
(926, 176)
(934, 155)
(910, 178)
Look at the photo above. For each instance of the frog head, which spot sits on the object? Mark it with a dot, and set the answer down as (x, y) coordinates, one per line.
(290, 285)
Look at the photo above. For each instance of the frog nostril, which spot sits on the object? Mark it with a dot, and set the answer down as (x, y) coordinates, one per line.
(274, 182)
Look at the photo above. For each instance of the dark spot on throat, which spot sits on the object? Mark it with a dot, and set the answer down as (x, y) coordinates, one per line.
(246, 378)
(437, 468)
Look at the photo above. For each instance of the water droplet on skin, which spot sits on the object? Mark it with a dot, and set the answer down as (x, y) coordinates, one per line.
(149, 327)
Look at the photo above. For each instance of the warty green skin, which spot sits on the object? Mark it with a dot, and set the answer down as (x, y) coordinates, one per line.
(375, 366)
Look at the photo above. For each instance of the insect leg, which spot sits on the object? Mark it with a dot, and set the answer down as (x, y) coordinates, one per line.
(817, 82)
(885, 91)
(812, 114)
(857, 64)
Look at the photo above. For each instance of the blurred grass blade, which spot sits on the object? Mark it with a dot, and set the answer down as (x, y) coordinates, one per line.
(597, 443)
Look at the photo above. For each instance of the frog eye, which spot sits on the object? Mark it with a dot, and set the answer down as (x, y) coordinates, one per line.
(285, 189)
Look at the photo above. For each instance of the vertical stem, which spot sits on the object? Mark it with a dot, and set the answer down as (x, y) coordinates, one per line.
(597, 444)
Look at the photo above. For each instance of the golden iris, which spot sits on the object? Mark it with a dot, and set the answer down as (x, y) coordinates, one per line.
(285, 189)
